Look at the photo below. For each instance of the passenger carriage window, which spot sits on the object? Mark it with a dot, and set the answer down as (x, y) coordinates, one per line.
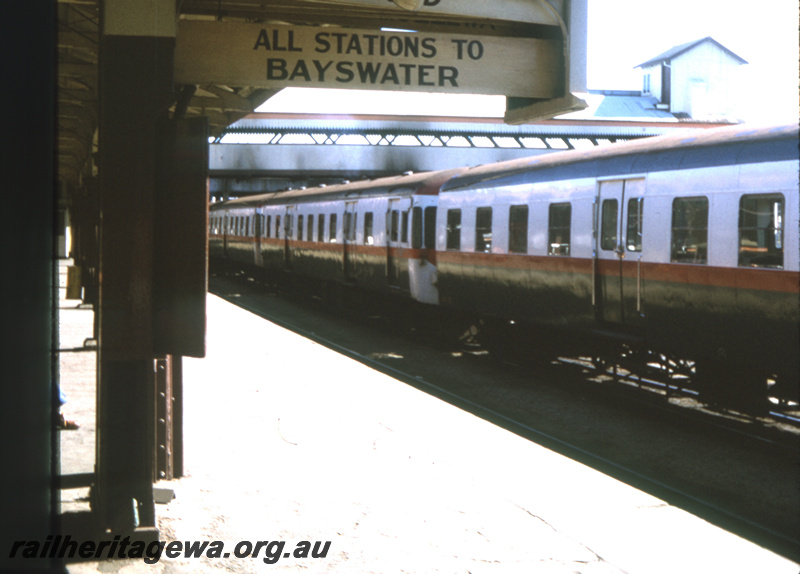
(430, 227)
(300, 227)
(368, 238)
(761, 231)
(454, 229)
(690, 230)
(321, 227)
(332, 228)
(416, 227)
(559, 228)
(518, 229)
(608, 224)
(277, 226)
(289, 223)
(347, 222)
(350, 223)
(483, 230)
(269, 226)
(634, 234)
(310, 234)
(395, 225)
(404, 228)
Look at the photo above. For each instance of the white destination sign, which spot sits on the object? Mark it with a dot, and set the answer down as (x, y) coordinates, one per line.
(275, 56)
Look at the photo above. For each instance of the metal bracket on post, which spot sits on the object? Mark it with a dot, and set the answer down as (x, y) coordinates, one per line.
(164, 436)
(169, 418)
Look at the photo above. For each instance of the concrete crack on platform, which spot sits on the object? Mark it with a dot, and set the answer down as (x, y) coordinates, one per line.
(278, 427)
(598, 558)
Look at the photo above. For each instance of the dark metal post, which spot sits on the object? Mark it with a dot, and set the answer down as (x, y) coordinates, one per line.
(136, 61)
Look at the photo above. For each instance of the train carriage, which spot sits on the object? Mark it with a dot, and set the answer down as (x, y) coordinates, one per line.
(681, 247)
(687, 244)
(376, 235)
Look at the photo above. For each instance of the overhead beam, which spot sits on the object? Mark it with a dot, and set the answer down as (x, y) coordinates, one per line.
(536, 11)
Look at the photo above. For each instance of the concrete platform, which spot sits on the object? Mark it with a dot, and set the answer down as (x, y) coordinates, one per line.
(288, 441)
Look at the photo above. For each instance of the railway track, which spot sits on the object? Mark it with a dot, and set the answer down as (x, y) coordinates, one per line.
(777, 435)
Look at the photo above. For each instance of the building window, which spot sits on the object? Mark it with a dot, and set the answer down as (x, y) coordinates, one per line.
(454, 229)
(761, 231)
(518, 229)
(483, 230)
(608, 225)
(559, 228)
(690, 230)
(368, 238)
(634, 235)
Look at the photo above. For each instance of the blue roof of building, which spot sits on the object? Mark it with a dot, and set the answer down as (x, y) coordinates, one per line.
(620, 105)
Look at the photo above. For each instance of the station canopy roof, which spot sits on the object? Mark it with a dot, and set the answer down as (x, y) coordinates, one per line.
(78, 42)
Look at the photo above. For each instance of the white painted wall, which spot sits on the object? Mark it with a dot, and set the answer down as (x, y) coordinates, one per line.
(703, 83)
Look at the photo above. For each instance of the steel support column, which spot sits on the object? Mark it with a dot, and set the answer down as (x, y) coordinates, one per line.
(136, 61)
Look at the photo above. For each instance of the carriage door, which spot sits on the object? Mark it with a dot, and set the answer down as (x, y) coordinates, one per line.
(618, 252)
(395, 236)
(288, 229)
(350, 225)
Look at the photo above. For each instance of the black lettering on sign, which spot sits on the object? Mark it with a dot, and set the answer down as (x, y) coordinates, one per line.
(448, 74)
(323, 45)
(300, 69)
(272, 41)
(371, 45)
(276, 69)
(368, 73)
(345, 72)
(474, 49)
(322, 69)
(429, 47)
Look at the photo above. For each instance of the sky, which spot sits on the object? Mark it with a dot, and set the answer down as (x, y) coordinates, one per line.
(621, 35)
